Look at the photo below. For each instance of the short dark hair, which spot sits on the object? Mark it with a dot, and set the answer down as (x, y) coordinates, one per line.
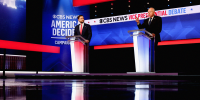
(79, 16)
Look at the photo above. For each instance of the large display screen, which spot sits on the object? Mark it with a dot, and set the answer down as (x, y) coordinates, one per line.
(13, 22)
(177, 24)
(59, 20)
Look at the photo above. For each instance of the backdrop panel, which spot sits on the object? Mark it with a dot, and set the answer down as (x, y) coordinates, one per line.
(59, 20)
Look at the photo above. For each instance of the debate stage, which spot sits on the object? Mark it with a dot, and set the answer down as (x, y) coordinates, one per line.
(73, 75)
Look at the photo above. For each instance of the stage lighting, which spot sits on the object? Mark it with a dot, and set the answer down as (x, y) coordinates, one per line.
(168, 5)
(14, 3)
(9, 3)
(190, 2)
(147, 2)
(111, 8)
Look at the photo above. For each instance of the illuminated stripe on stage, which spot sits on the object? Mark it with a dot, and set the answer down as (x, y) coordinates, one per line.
(174, 42)
(114, 46)
(177, 42)
(88, 2)
(13, 55)
(28, 46)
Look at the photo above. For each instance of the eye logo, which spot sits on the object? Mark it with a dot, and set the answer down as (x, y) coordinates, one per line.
(54, 16)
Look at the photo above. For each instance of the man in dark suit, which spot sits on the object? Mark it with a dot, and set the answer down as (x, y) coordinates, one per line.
(83, 29)
(153, 24)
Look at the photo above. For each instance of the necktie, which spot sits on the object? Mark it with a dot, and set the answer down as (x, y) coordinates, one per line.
(150, 21)
(81, 29)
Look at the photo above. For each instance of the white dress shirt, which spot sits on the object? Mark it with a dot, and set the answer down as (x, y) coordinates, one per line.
(80, 27)
(151, 19)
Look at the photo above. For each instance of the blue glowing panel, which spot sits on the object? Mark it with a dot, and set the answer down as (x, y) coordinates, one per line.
(13, 22)
(59, 20)
(173, 28)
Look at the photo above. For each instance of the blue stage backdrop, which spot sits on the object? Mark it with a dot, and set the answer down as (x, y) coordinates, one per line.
(59, 20)
(173, 28)
(13, 21)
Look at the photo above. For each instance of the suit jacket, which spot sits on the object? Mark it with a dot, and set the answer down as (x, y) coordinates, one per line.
(155, 27)
(86, 31)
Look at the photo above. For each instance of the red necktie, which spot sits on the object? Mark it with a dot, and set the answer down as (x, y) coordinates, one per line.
(81, 29)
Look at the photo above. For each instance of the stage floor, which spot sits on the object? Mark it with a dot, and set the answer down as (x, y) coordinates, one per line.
(98, 89)
(72, 75)
(33, 74)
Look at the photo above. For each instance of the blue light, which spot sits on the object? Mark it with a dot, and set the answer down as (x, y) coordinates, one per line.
(95, 15)
(190, 2)
(168, 5)
(129, 10)
(9, 3)
(111, 13)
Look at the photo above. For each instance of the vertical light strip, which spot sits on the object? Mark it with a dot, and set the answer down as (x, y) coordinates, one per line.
(73, 57)
(141, 51)
(77, 91)
(146, 54)
(135, 41)
(142, 92)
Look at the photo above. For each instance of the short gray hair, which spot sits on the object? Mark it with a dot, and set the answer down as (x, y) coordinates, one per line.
(152, 8)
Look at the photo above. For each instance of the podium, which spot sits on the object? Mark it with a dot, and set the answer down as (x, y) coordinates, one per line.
(143, 50)
(79, 54)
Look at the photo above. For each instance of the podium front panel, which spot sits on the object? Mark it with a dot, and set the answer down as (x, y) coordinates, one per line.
(77, 53)
(143, 50)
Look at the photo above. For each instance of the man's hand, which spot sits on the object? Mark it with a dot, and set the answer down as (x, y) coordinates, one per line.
(137, 20)
(87, 41)
(153, 35)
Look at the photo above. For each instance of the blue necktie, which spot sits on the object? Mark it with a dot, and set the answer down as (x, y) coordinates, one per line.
(150, 21)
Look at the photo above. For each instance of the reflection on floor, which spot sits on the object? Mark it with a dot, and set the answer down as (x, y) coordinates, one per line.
(94, 89)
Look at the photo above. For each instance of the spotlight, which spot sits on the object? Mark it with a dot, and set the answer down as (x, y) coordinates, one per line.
(111, 3)
(111, 13)
(168, 0)
(95, 6)
(168, 5)
(190, 2)
(95, 10)
(147, 2)
(111, 8)
(10, 3)
(129, 6)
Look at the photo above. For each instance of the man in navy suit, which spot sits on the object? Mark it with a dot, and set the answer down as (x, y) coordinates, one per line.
(153, 24)
(83, 29)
